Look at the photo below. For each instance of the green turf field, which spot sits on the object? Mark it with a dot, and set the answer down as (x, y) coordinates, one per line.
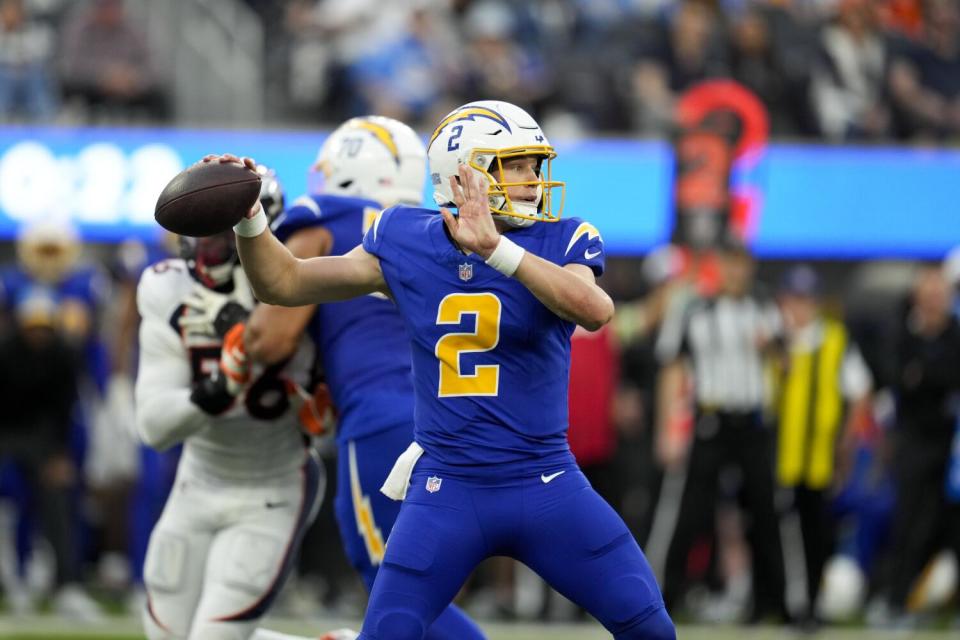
(127, 629)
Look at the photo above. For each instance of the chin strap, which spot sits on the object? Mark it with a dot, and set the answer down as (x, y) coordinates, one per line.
(513, 221)
(497, 202)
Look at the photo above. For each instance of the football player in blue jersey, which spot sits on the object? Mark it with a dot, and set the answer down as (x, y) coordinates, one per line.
(365, 165)
(489, 295)
(50, 268)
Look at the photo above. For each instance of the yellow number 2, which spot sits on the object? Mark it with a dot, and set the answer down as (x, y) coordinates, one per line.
(485, 380)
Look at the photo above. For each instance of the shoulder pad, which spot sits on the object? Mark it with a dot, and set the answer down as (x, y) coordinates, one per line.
(409, 230)
(309, 211)
(162, 287)
(575, 231)
(304, 212)
(581, 243)
(373, 238)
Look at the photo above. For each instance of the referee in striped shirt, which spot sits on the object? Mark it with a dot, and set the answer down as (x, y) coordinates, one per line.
(724, 343)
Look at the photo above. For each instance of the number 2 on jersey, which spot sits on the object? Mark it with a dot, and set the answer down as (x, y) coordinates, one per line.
(485, 380)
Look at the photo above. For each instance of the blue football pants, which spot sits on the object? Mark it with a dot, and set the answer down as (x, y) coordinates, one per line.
(365, 518)
(558, 526)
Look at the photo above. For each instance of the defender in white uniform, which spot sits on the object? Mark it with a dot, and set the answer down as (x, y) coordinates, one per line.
(247, 486)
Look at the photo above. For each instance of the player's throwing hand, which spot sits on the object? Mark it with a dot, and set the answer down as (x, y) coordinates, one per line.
(473, 228)
(249, 163)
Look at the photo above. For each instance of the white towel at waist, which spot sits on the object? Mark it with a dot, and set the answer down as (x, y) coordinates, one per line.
(396, 485)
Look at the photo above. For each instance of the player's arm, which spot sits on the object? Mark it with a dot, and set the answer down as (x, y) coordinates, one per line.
(280, 278)
(570, 291)
(165, 412)
(273, 332)
(165, 415)
(171, 404)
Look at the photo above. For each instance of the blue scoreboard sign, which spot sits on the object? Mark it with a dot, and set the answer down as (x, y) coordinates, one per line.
(810, 201)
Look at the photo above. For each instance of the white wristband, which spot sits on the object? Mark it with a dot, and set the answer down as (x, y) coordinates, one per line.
(506, 257)
(251, 227)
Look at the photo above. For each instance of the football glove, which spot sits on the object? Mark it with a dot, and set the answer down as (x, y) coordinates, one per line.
(215, 394)
(211, 395)
(316, 412)
(210, 313)
(234, 363)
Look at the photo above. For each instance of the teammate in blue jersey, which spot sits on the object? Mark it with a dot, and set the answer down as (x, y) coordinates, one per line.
(48, 254)
(489, 296)
(366, 164)
(50, 269)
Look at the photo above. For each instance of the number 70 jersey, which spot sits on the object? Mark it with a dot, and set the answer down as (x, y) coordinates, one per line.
(490, 361)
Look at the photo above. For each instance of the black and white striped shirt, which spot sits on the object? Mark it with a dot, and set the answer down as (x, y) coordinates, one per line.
(724, 338)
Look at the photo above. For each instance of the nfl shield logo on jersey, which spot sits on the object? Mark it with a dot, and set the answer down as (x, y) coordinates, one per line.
(466, 271)
(433, 484)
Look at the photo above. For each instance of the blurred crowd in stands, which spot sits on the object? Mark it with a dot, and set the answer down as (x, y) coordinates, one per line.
(89, 58)
(839, 70)
(835, 69)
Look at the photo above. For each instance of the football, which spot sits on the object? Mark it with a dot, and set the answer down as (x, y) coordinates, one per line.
(207, 198)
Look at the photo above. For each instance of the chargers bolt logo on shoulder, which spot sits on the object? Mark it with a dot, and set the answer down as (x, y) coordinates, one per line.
(433, 484)
(471, 113)
(585, 229)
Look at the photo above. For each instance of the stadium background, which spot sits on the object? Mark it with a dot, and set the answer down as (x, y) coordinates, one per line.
(849, 174)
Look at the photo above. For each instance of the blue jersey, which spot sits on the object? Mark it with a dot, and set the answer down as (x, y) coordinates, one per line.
(86, 286)
(491, 362)
(362, 342)
(79, 296)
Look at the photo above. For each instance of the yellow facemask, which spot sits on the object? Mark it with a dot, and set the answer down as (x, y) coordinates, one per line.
(500, 202)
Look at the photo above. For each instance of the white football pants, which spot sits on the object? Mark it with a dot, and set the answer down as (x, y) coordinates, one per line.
(220, 553)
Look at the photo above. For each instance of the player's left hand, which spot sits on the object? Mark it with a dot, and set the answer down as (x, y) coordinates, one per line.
(210, 313)
(316, 411)
(216, 393)
(473, 227)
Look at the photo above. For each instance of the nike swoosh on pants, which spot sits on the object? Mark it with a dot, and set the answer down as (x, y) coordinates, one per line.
(547, 478)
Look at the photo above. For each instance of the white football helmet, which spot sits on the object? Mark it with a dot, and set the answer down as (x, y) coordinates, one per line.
(483, 134)
(373, 157)
(49, 249)
(271, 192)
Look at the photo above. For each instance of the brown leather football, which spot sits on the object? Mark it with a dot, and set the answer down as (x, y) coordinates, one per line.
(207, 198)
